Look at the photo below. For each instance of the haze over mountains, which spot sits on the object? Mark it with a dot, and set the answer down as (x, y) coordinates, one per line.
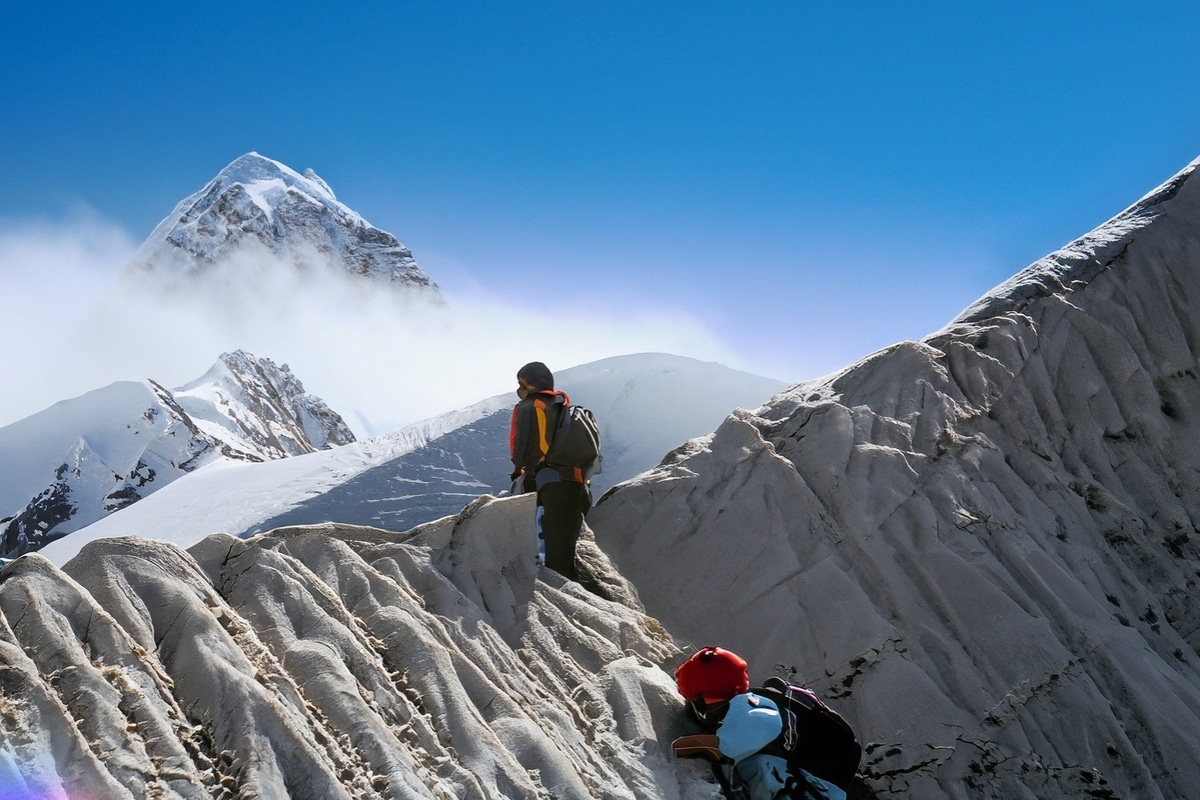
(981, 548)
(262, 259)
(261, 230)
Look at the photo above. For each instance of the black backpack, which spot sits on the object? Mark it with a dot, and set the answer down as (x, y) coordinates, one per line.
(575, 447)
(814, 738)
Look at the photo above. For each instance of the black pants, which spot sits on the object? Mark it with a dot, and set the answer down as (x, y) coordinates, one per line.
(563, 506)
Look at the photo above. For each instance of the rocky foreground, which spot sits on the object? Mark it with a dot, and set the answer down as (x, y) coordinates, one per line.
(336, 662)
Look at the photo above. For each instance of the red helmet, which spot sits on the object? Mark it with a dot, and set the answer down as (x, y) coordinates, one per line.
(713, 675)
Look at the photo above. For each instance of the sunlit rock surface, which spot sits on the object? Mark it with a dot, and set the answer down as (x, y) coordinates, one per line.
(982, 547)
(331, 662)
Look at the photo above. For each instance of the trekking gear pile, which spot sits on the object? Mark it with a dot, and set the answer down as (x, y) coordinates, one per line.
(771, 742)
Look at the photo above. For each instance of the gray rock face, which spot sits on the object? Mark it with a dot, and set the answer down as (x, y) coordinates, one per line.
(981, 547)
(257, 205)
(336, 662)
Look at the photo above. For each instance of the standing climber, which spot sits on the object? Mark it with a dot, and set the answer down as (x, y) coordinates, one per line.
(562, 499)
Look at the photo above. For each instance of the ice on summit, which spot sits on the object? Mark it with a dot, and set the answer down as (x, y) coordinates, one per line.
(257, 206)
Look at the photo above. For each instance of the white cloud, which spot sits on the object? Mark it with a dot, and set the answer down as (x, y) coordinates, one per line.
(50, 273)
(381, 359)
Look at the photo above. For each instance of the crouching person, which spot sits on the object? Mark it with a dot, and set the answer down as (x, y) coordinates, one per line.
(774, 741)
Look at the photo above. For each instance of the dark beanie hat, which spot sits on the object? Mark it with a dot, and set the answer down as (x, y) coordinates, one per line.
(537, 375)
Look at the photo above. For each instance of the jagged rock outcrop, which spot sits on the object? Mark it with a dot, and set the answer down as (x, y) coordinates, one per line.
(981, 547)
(262, 408)
(336, 662)
(257, 206)
(82, 459)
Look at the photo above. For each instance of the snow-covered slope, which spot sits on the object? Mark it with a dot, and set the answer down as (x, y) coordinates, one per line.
(984, 545)
(68, 466)
(647, 404)
(72, 464)
(257, 205)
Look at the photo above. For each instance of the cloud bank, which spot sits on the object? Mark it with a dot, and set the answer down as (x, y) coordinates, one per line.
(381, 359)
(50, 272)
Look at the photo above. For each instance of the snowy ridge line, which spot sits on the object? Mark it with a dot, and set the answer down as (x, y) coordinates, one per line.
(433, 468)
(1077, 263)
(413, 437)
(85, 458)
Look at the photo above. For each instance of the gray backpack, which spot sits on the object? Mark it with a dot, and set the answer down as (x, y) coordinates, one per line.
(575, 448)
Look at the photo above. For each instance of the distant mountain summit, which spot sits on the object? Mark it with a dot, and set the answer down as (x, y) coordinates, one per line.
(82, 459)
(258, 206)
(261, 409)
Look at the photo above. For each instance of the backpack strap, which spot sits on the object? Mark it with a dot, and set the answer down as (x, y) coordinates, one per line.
(545, 432)
(698, 745)
(539, 416)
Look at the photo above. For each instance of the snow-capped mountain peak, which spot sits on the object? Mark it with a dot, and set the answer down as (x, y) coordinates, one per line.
(262, 406)
(266, 180)
(257, 205)
(84, 458)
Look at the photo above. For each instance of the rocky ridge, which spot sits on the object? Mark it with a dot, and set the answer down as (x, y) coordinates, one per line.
(336, 662)
(983, 546)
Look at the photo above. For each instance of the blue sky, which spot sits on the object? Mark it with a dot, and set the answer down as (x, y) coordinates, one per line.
(810, 181)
